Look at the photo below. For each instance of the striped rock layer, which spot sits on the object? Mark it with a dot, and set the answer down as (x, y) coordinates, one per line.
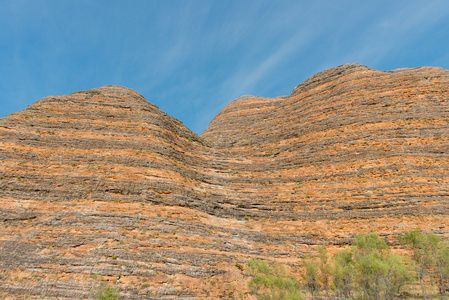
(101, 186)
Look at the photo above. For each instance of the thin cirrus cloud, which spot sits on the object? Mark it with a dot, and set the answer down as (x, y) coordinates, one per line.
(398, 28)
(249, 78)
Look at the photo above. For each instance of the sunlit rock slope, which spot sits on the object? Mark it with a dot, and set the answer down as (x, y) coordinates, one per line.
(101, 186)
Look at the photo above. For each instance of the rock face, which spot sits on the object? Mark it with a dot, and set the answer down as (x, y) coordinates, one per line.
(102, 186)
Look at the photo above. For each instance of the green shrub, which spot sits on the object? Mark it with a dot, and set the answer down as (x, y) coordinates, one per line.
(324, 265)
(107, 293)
(310, 277)
(239, 266)
(380, 274)
(343, 273)
(431, 257)
(443, 261)
(366, 270)
(273, 281)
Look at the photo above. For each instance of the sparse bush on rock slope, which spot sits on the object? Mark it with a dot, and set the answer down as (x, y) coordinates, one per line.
(106, 292)
(273, 281)
(366, 270)
(431, 257)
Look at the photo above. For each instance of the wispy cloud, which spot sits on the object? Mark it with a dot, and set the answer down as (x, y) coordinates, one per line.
(395, 29)
(248, 78)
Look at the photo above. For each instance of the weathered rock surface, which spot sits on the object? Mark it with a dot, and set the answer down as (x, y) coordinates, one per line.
(102, 186)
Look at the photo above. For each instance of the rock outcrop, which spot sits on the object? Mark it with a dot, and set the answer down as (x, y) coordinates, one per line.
(102, 186)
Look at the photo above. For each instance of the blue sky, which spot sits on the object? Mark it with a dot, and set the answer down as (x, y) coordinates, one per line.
(191, 58)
